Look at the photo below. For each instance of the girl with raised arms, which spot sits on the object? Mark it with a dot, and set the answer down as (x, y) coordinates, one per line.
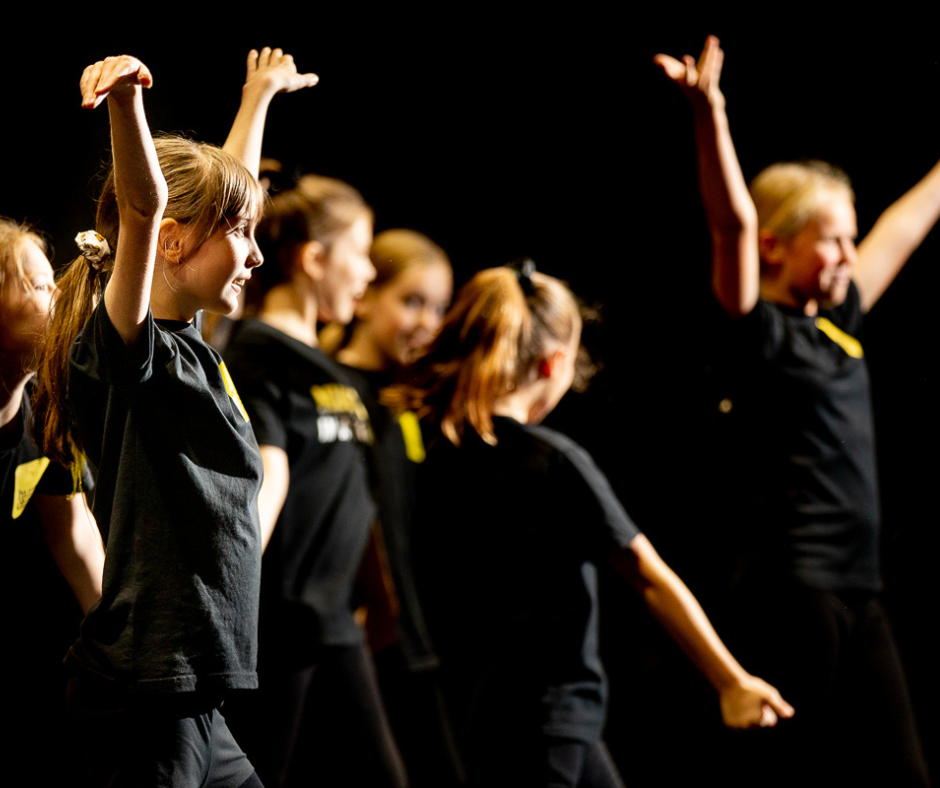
(786, 269)
(153, 410)
(514, 522)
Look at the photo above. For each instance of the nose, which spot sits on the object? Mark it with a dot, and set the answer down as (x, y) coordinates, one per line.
(255, 258)
(849, 251)
(368, 269)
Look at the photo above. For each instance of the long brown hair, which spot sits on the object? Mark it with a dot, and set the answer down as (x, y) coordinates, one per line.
(207, 187)
(490, 344)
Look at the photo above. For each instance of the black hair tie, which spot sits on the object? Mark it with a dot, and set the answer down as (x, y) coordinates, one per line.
(523, 268)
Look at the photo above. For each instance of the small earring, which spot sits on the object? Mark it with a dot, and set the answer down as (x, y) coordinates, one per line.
(545, 369)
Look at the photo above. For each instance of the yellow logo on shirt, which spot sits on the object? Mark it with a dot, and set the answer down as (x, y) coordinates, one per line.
(337, 398)
(411, 430)
(25, 479)
(848, 343)
(232, 391)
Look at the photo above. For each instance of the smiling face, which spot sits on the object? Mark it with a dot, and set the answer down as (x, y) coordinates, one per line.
(212, 277)
(344, 272)
(815, 265)
(25, 304)
(403, 317)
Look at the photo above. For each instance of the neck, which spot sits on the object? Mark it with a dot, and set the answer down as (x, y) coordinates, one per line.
(524, 405)
(361, 353)
(11, 397)
(294, 313)
(780, 294)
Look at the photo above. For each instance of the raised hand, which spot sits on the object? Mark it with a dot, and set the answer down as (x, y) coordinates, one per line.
(697, 79)
(753, 703)
(274, 70)
(113, 76)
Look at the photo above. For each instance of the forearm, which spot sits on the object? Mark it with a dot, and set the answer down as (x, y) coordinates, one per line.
(244, 139)
(895, 236)
(676, 609)
(732, 218)
(75, 544)
(141, 194)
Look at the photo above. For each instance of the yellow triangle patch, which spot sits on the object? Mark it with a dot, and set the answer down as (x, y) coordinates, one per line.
(25, 479)
(848, 343)
(232, 391)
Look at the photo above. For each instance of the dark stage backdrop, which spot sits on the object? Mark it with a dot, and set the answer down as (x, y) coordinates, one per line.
(511, 131)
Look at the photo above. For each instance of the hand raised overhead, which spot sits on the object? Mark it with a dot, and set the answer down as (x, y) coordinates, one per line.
(275, 70)
(697, 80)
(118, 75)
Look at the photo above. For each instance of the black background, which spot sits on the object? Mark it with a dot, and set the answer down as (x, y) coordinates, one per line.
(512, 130)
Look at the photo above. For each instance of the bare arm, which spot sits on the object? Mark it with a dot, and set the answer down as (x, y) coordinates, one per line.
(731, 216)
(139, 185)
(746, 701)
(895, 236)
(273, 489)
(269, 72)
(75, 544)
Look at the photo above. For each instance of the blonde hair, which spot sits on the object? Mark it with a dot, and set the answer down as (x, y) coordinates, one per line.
(317, 209)
(13, 240)
(207, 187)
(489, 345)
(787, 195)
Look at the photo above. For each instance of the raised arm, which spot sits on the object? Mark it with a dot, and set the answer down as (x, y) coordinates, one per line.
(732, 218)
(895, 236)
(269, 72)
(746, 701)
(139, 185)
(75, 544)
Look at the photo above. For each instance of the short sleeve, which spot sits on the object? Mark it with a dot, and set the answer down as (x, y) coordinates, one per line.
(601, 522)
(100, 353)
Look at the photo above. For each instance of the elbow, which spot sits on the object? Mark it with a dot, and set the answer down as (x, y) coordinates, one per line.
(145, 205)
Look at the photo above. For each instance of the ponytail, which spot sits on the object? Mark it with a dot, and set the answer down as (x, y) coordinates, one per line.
(490, 345)
(207, 187)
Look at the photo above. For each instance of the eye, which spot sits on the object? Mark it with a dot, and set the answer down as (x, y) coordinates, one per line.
(414, 301)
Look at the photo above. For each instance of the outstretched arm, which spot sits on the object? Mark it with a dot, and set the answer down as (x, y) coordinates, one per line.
(732, 218)
(269, 72)
(895, 236)
(746, 701)
(75, 544)
(139, 185)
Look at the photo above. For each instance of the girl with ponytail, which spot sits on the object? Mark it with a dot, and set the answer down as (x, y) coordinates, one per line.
(510, 575)
(129, 386)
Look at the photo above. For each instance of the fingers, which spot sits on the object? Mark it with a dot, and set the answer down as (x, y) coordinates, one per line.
(102, 78)
(671, 67)
(277, 68)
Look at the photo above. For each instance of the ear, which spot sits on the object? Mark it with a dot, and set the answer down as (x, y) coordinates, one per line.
(548, 364)
(771, 247)
(311, 260)
(170, 240)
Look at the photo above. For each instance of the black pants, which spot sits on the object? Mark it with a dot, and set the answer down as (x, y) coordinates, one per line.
(832, 655)
(159, 741)
(323, 725)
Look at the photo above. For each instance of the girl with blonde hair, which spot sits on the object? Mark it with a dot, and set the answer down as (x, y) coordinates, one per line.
(128, 385)
(787, 270)
(49, 532)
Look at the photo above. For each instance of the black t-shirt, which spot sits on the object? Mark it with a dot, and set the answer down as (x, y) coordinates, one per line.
(42, 613)
(178, 472)
(508, 540)
(817, 447)
(394, 459)
(301, 402)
